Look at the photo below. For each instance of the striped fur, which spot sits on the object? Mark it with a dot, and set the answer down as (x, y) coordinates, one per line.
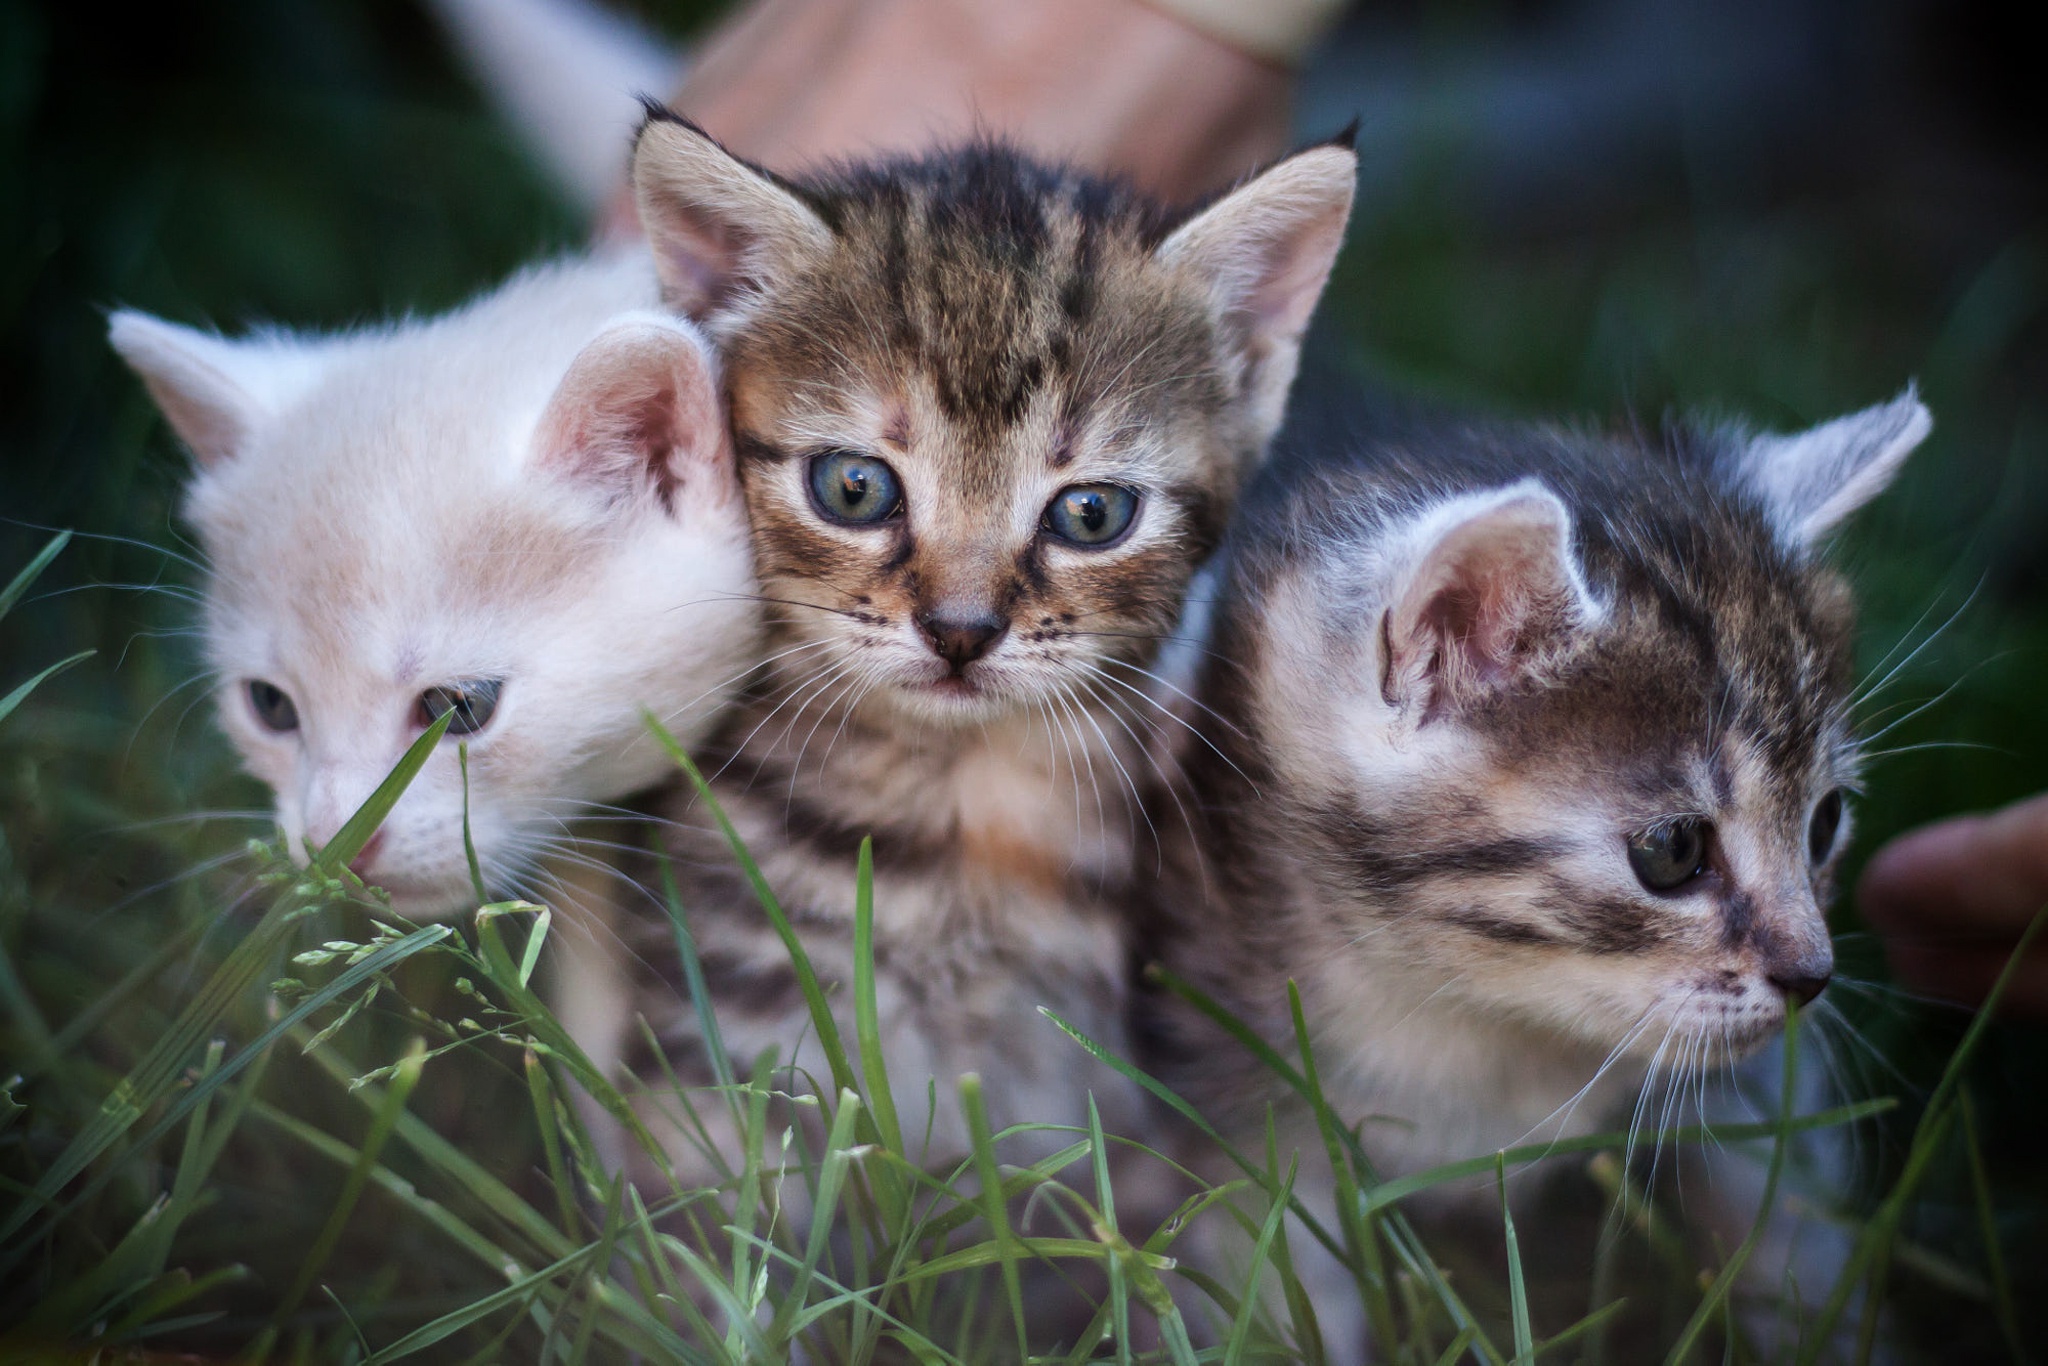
(1446, 876)
(1453, 669)
(995, 330)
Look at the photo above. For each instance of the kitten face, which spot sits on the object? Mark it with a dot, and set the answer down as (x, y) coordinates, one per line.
(1634, 851)
(1570, 752)
(525, 512)
(989, 415)
(995, 558)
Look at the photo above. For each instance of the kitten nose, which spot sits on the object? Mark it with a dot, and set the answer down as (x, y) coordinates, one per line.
(1801, 987)
(962, 640)
(1802, 977)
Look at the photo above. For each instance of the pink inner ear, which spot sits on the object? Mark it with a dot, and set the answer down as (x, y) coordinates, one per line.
(1476, 625)
(636, 411)
(701, 259)
(1487, 599)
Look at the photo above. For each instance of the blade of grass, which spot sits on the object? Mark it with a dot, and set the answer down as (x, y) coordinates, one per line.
(1262, 1249)
(1724, 1282)
(32, 571)
(1927, 1135)
(20, 694)
(1406, 1245)
(1367, 1268)
(410, 1066)
(607, 1241)
(427, 1334)
(355, 832)
(693, 971)
(866, 1022)
(1105, 1200)
(822, 1019)
(1987, 1224)
(510, 976)
(1401, 1187)
(1591, 1323)
(1518, 1289)
(993, 1204)
(147, 1082)
(543, 1097)
(119, 1113)
(476, 868)
(137, 1260)
(824, 1206)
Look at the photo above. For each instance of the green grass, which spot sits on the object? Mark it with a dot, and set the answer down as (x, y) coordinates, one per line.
(886, 1257)
(183, 1172)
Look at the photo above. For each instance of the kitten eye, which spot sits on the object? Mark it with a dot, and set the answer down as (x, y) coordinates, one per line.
(472, 701)
(1091, 514)
(1666, 857)
(1825, 825)
(273, 706)
(854, 490)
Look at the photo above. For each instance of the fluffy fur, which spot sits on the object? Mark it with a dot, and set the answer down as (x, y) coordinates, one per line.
(1454, 671)
(995, 331)
(536, 490)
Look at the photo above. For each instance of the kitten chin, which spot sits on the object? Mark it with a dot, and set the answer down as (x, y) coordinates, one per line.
(990, 415)
(525, 512)
(1522, 756)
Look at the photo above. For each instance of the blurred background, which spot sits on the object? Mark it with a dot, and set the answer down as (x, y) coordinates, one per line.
(1583, 208)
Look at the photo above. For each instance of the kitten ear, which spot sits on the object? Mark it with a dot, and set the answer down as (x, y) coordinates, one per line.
(721, 229)
(1263, 252)
(639, 411)
(214, 392)
(1811, 481)
(1493, 586)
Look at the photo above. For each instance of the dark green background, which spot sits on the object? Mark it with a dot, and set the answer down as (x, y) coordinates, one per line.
(321, 162)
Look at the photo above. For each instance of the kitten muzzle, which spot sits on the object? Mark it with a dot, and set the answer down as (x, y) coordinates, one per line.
(960, 640)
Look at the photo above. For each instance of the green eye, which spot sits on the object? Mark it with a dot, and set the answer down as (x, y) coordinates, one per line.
(854, 490)
(1091, 514)
(1666, 857)
(1825, 825)
(473, 702)
(273, 706)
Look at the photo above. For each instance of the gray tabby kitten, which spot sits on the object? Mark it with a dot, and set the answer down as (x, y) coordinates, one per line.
(1527, 758)
(990, 415)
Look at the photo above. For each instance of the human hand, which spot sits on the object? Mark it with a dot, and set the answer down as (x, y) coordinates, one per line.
(1111, 85)
(1950, 900)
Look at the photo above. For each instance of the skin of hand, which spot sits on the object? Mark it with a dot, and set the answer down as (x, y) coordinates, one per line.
(1951, 899)
(1111, 85)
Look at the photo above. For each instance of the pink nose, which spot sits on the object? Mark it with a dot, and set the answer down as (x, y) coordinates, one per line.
(361, 864)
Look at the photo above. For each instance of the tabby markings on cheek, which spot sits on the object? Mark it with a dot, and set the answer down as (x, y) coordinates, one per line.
(1738, 919)
(1031, 565)
(1496, 928)
(906, 546)
(1373, 866)
(1609, 924)
(752, 449)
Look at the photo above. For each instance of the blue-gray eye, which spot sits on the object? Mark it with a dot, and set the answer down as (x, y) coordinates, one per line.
(473, 701)
(1091, 514)
(1666, 857)
(273, 706)
(854, 490)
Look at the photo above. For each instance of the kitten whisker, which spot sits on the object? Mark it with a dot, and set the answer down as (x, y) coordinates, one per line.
(1563, 1113)
(1865, 693)
(1137, 797)
(1183, 722)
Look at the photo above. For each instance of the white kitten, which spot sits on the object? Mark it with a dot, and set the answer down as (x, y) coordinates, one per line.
(526, 510)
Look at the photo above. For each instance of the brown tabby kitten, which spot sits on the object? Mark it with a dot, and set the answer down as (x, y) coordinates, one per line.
(1527, 761)
(990, 416)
